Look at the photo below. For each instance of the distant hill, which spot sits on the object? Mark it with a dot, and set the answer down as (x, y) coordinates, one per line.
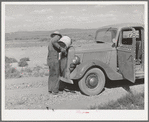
(44, 35)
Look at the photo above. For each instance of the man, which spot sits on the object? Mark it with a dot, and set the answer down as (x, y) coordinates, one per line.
(53, 62)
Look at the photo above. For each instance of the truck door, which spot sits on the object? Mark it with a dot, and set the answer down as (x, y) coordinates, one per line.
(126, 53)
(142, 39)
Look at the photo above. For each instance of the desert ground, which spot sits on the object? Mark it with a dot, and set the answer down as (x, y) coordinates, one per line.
(30, 92)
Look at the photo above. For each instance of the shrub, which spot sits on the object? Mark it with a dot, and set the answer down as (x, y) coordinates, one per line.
(37, 68)
(29, 70)
(11, 72)
(24, 59)
(10, 60)
(37, 71)
(26, 71)
(22, 64)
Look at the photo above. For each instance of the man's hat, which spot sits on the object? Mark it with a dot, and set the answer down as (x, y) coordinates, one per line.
(56, 33)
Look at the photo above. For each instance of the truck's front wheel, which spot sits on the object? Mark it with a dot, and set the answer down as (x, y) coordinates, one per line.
(93, 82)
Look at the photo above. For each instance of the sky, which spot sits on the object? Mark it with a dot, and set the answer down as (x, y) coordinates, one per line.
(52, 17)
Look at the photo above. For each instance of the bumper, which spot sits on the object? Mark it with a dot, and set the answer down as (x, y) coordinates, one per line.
(66, 80)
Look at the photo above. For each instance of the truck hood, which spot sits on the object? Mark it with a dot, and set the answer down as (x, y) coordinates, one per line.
(93, 47)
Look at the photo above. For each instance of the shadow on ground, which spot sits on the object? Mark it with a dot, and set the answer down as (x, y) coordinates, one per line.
(125, 84)
(73, 88)
(121, 83)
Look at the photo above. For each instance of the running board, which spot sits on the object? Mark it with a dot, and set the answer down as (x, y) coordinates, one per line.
(66, 80)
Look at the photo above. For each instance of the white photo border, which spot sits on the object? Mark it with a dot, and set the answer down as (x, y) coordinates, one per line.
(72, 114)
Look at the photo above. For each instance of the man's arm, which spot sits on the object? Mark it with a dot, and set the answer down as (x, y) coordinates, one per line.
(56, 44)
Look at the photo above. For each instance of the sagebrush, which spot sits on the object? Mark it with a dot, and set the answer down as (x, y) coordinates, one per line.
(10, 60)
(22, 63)
(11, 72)
(24, 59)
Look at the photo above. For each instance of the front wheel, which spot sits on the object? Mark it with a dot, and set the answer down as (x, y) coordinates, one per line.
(93, 82)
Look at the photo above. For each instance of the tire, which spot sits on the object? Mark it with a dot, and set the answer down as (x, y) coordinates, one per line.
(93, 82)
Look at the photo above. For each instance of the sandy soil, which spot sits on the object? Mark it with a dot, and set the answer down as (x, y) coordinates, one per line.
(31, 93)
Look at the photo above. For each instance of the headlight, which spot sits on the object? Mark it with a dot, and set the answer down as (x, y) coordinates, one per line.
(76, 60)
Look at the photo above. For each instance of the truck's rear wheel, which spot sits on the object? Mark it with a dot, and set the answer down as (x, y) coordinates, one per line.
(93, 82)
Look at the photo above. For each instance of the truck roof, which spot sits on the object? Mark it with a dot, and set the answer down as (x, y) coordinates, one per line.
(122, 25)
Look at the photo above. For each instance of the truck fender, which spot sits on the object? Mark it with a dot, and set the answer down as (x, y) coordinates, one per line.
(81, 69)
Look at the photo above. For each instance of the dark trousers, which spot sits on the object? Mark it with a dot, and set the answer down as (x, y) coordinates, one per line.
(56, 69)
(53, 81)
(63, 64)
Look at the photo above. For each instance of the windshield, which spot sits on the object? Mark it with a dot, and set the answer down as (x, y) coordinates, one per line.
(106, 35)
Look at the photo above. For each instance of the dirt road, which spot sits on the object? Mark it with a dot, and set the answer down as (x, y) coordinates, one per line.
(31, 93)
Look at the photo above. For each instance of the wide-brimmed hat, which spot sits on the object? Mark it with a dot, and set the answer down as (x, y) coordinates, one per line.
(56, 33)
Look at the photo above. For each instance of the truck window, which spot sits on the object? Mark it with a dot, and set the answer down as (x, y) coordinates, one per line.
(127, 37)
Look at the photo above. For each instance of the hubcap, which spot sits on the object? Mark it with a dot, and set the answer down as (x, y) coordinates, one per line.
(92, 81)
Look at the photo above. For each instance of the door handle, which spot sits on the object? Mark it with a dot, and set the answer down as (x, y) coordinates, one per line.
(129, 58)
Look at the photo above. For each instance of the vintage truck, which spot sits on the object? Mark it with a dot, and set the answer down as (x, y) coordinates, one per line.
(116, 53)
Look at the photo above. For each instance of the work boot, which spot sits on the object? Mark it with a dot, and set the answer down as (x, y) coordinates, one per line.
(50, 92)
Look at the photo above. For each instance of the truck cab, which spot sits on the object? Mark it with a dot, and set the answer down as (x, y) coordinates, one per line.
(116, 53)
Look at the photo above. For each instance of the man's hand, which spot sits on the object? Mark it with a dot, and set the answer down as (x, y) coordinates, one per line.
(63, 50)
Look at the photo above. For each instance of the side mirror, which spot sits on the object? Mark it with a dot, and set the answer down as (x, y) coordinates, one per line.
(114, 40)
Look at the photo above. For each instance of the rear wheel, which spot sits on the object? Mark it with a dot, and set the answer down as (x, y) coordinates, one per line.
(93, 82)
